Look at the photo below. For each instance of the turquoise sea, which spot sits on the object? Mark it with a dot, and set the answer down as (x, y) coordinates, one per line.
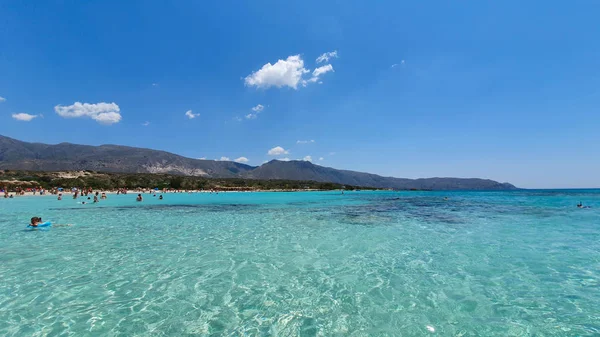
(521, 263)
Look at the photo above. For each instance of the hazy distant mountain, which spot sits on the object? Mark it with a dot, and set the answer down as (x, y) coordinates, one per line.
(303, 170)
(18, 155)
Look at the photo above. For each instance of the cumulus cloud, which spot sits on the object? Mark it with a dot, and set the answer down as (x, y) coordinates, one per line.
(23, 117)
(224, 159)
(202, 158)
(103, 113)
(241, 160)
(283, 73)
(146, 123)
(307, 158)
(2, 99)
(305, 141)
(258, 108)
(191, 115)
(284, 159)
(277, 151)
(325, 57)
(321, 159)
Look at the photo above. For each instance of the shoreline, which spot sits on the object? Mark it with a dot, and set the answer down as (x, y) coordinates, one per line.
(145, 192)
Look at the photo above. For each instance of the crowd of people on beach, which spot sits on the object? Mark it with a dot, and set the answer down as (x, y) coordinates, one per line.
(22, 191)
(90, 193)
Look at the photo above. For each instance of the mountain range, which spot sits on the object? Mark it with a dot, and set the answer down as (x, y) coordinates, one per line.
(19, 155)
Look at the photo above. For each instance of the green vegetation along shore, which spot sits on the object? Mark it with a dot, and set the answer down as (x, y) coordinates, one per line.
(13, 180)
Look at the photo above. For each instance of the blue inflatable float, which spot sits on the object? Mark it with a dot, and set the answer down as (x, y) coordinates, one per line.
(44, 224)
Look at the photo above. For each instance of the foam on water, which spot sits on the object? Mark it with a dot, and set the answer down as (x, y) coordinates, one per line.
(304, 264)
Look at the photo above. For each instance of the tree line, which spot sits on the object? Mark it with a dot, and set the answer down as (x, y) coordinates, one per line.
(13, 179)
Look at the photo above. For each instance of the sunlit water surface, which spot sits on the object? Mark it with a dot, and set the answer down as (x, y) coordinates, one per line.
(523, 263)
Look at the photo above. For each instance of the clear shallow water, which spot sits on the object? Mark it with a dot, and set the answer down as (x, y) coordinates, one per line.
(523, 263)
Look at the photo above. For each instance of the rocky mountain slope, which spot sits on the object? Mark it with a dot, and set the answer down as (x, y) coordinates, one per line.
(19, 155)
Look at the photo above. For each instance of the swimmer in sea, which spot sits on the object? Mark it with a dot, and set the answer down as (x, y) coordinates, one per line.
(95, 198)
(160, 197)
(60, 196)
(139, 198)
(580, 205)
(35, 221)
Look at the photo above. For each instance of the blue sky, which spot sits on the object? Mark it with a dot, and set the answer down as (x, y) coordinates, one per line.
(506, 90)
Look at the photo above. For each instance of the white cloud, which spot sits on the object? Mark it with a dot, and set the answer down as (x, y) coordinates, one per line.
(287, 72)
(237, 119)
(277, 151)
(284, 159)
(191, 115)
(322, 70)
(318, 72)
(146, 123)
(307, 158)
(257, 109)
(2, 99)
(224, 159)
(241, 160)
(396, 64)
(23, 117)
(103, 113)
(321, 159)
(202, 158)
(305, 141)
(326, 56)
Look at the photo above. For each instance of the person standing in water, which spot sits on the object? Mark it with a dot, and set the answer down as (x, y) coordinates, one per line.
(139, 198)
